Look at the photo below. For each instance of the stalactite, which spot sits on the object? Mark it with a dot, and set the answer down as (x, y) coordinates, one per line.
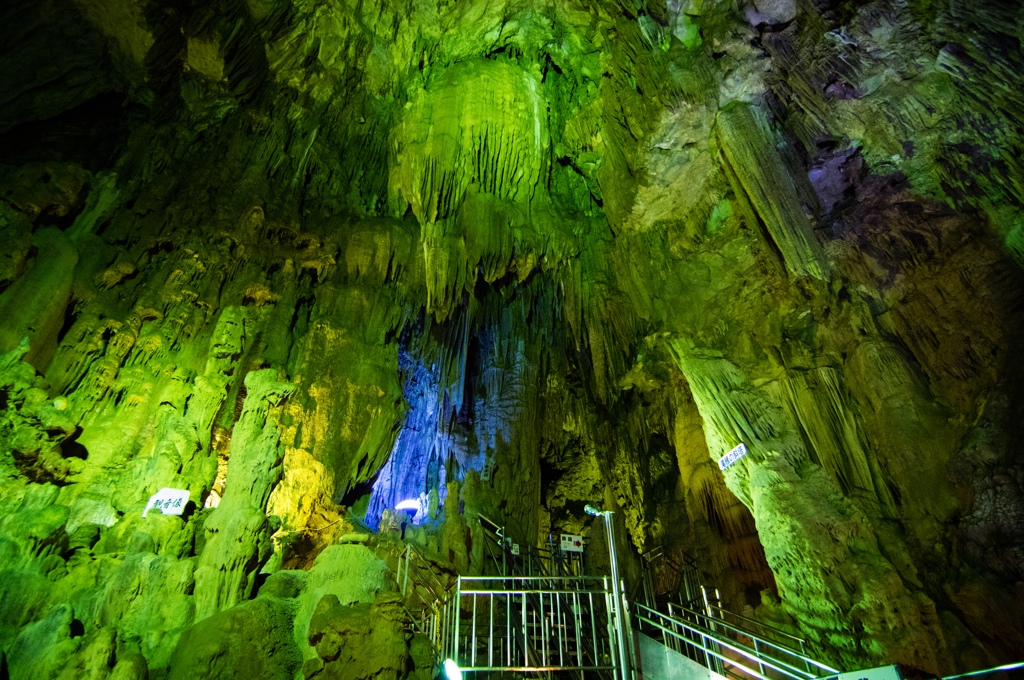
(761, 182)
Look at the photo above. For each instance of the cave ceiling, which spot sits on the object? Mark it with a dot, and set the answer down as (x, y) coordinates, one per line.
(309, 259)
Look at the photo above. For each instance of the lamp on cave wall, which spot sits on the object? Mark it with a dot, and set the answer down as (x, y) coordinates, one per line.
(416, 505)
(449, 671)
(620, 607)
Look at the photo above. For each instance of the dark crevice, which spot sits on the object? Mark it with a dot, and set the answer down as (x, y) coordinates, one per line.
(70, 317)
(72, 448)
(92, 134)
(358, 491)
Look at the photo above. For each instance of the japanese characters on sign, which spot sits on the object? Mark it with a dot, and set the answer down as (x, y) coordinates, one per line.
(167, 501)
(733, 456)
(570, 543)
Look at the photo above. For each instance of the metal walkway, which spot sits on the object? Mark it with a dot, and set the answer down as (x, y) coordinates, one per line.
(541, 617)
(532, 624)
(570, 624)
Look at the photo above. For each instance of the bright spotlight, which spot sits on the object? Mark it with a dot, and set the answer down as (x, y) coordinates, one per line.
(411, 504)
(451, 670)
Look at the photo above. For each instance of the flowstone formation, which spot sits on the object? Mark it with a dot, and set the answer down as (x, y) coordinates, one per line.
(310, 261)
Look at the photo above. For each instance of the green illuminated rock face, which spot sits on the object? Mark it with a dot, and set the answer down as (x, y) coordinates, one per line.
(309, 260)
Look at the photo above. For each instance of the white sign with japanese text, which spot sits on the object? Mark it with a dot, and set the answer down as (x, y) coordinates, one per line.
(167, 501)
(731, 457)
(571, 543)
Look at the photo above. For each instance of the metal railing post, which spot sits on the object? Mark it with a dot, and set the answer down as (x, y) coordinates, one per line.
(526, 643)
(617, 597)
(456, 601)
(472, 636)
(405, 582)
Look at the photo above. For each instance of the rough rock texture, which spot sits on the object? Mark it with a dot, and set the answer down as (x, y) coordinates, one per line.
(251, 640)
(358, 641)
(310, 260)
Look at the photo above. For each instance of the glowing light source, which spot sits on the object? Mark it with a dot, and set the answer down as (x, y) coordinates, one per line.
(411, 504)
(451, 670)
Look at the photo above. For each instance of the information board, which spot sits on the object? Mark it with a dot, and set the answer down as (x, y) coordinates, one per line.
(731, 457)
(167, 501)
(571, 543)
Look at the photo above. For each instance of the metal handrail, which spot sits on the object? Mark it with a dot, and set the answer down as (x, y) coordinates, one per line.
(532, 578)
(526, 627)
(436, 589)
(497, 537)
(987, 671)
(780, 647)
(748, 652)
(701, 632)
(766, 626)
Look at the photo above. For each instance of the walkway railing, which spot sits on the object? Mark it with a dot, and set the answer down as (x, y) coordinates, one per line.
(531, 624)
(710, 642)
(417, 580)
(529, 560)
(763, 630)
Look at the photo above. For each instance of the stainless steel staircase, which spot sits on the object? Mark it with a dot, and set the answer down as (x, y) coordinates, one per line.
(726, 649)
(530, 622)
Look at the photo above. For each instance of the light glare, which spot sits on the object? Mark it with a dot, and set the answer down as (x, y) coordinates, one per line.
(451, 670)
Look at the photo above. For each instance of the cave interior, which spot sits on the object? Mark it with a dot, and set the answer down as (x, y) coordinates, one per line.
(407, 264)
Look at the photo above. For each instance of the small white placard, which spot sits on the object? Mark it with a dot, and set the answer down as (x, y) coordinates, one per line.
(571, 543)
(883, 673)
(515, 548)
(167, 501)
(733, 456)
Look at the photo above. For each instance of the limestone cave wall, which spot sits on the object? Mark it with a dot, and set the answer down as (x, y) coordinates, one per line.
(309, 260)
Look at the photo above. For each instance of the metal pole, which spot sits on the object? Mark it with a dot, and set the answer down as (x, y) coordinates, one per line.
(617, 595)
(526, 644)
(627, 627)
(405, 583)
(559, 625)
(578, 620)
(457, 601)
